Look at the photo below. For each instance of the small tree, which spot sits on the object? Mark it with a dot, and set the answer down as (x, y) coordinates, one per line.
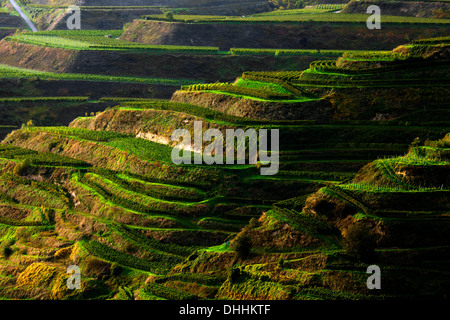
(29, 124)
(234, 273)
(126, 25)
(280, 263)
(115, 269)
(242, 246)
(22, 167)
(360, 242)
(254, 223)
(6, 251)
(168, 15)
(416, 142)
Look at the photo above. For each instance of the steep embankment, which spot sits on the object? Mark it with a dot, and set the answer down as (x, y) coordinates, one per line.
(35, 57)
(7, 20)
(101, 14)
(101, 19)
(150, 124)
(257, 109)
(298, 36)
(6, 32)
(419, 9)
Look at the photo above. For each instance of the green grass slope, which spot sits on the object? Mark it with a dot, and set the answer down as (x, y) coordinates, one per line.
(356, 86)
(103, 193)
(319, 246)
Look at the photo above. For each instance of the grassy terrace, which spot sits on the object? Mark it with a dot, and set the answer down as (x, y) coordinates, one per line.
(283, 87)
(86, 41)
(214, 116)
(321, 8)
(42, 99)
(278, 17)
(118, 203)
(148, 227)
(109, 40)
(7, 72)
(43, 6)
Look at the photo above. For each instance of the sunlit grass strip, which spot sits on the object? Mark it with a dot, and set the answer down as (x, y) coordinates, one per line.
(382, 189)
(53, 189)
(85, 33)
(320, 52)
(42, 99)
(53, 160)
(103, 41)
(250, 97)
(13, 152)
(20, 223)
(149, 150)
(14, 72)
(49, 7)
(98, 136)
(413, 159)
(353, 18)
(321, 8)
(432, 41)
(279, 52)
(267, 86)
(253, 91)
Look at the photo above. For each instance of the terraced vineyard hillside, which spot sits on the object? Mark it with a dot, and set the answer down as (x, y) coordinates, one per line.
(105, 15)
(308, 28)
(358, 86)
(435, 9)
(100, 52)
(363, 179)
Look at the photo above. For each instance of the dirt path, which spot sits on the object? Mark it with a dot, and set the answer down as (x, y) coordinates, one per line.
(58, 20)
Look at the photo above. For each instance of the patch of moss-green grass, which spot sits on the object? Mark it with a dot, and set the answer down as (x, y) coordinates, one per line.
(268, 86)
(144, 148)
(303, 99)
